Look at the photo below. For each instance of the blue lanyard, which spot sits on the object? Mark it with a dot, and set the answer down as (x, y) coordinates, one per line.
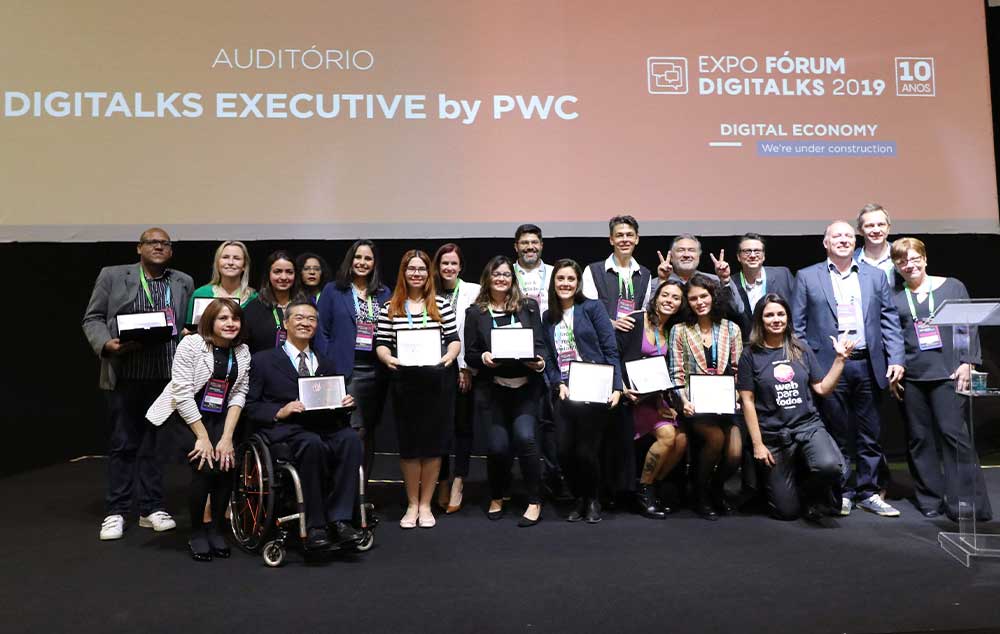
(357, 305)
(513, 320)
(409, 318)
(656, 341)
(715, 350)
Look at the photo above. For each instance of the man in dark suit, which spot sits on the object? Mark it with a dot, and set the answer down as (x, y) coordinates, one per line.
(841, 298)
(133, 375)
(326, 451)
(755, 280)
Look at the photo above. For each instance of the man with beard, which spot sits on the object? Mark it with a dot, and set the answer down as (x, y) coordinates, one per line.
(532, 273)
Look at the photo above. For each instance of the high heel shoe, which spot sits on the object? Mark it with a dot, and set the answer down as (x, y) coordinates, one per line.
(495, 515)
(524, 522)
(455, 503)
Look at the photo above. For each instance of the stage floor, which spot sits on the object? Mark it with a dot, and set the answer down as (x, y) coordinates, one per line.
(741, 574)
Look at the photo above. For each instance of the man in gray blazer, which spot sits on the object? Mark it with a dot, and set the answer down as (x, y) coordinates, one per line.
(841, 298)
(133, 375)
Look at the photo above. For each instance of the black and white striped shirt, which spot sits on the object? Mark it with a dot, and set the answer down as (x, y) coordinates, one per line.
(386, 332)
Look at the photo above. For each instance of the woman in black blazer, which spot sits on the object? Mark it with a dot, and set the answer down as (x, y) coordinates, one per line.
(578, 329)
(513, 389)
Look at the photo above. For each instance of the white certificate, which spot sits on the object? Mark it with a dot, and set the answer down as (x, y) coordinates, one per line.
(512, 343)
(590, 382)
(418, 346)
(200, 304)
(321, 392)
(713, 393)
(142, 321)
(649, 375)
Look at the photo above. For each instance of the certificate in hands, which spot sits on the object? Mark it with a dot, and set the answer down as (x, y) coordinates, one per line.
(418, 346)
(649, 375)
(713, 393)
(512, 343)
(200, 304)
(590, 382)
(321, 392)
(144, 327)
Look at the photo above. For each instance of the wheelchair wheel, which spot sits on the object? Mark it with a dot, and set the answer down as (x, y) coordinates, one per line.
(366, 543)
(273, 554)
(252, 502)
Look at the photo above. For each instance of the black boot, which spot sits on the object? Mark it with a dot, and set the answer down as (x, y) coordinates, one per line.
(579, 511)
(646, 503)
(593, 511)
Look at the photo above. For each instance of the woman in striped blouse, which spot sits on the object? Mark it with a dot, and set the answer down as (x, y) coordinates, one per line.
(418, 392)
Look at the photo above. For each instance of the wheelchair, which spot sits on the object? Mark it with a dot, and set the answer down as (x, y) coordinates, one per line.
(267, 506)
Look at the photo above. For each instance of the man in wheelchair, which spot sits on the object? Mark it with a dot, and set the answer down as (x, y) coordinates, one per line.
(325, 450)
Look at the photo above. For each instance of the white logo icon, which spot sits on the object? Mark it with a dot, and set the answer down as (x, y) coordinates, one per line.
(667, 75)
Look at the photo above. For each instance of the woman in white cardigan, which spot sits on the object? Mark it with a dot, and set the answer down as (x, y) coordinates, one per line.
(208, 388)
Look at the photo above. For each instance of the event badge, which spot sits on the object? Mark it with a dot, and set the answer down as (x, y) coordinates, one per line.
(928, 335)
(565, 357)
(365, 336)
(170, 320)
(847, 319)
(625, 307)
(215, 395)
(280, 336)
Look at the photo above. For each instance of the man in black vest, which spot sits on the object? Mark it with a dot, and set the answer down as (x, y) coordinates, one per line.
(619, 282)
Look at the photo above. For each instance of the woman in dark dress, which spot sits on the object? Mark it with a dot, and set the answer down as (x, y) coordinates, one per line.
(314, 274)
(939, 452)
(418, 393)
(264, 315)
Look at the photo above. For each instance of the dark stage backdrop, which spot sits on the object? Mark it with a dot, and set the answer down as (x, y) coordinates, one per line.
(53, 410)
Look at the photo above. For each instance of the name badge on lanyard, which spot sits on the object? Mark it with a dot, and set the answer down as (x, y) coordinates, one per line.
(215, 395)
(625, 307)
(928, 335)
(170, 319)
(365, 336)
(168, 310)
(565, 358)
(626, 296)
(280, 334)
(847, 317)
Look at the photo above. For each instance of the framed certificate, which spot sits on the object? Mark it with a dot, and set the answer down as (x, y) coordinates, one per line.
(200, 304)
(418, 346)
(649, 375)
(512, 344)
(144, 327)
(321, 392)
(713, 393)
(590, 382)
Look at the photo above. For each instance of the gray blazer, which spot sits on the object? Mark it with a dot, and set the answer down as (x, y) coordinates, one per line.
(115, 290)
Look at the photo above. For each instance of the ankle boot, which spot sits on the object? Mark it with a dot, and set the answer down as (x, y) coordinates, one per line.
(647, 504)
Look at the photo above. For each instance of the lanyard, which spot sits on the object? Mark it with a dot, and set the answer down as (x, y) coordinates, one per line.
(763, 290)
(569, 330)
(368, 302)
(145, 289)
(656, 341)
(715, 340)
(913, 308)
(277, 320)
(409, 318)
(229, 366)
(454, 293)
(626, 288)
(513, 319)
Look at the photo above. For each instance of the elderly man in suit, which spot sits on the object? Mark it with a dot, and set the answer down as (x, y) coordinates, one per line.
(133, 375)
(841, 298)
(755, 280)
(325, 450)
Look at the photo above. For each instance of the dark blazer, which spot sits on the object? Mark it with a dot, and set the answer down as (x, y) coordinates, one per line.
(115, 290)
(478, 339)
(274, 382)
(338, 324)
(814, 313)
(595, 340)
(779, 280)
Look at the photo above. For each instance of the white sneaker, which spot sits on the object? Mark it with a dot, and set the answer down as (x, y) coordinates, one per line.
(159, 521)
(875, 504)
(845, 507)
(112, 527)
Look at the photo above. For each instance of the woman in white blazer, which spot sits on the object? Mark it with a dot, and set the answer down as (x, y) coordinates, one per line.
(448, 264)
(208, 388)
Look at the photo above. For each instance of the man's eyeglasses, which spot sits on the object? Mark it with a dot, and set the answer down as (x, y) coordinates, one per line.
(752, 251)
(166, 244)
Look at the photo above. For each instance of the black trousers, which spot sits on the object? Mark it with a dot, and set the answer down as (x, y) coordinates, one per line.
(581, 428)
(513, 414)
(942, 460)
(207, 481)
(133, 463)
(548, 438)
(327, 461)
(369, 386)
(463, 437)
(851, 415)
(811, 450)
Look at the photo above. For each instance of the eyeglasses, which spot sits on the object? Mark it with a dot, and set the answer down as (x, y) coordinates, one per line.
(303, 318)
(415, 269)
(910, 261)
(752, 251)
(166, 244)
(501, 275)
(312, 269)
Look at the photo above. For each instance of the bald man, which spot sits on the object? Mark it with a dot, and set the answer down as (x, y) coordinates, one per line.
(840, 297)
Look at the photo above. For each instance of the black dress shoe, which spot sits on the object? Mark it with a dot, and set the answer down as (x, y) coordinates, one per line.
(199, 547)
(814, 513)
(724, 507)
(593, 512)
(344, 533)
(706, 512)
(931, 513)
(579, 511)
(646, 503)
(524, 522)
(217, 543)
(495, 515)
(317, 539)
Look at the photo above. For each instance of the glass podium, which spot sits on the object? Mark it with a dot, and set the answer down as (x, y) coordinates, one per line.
(965, 317)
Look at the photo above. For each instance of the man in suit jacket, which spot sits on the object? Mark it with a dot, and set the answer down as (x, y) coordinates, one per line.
(839, 297)
(755, 280)
(326, 451)
(133, 376)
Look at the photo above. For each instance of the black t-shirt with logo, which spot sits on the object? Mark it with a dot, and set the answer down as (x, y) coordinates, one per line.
(780, 386)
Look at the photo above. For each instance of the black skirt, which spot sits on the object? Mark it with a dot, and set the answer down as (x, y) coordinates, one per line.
(423, 405)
